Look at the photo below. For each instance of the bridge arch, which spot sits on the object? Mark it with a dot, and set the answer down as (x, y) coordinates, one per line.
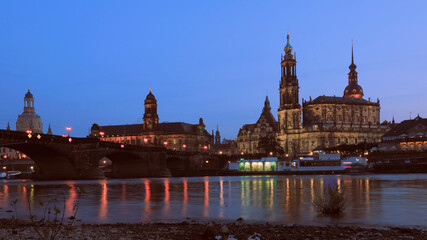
(51, 162)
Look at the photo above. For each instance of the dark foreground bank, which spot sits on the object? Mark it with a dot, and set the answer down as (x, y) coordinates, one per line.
(190, 230)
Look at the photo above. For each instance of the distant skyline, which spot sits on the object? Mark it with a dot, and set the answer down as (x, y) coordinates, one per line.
(94, 61)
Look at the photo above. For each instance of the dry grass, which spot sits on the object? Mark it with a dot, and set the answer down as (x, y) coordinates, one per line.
(331, 202)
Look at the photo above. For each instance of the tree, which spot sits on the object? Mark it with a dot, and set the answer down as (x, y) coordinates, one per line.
(269, 144)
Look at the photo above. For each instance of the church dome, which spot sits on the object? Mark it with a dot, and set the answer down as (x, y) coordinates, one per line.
(353, 90)
(28, 94)
(150, 98)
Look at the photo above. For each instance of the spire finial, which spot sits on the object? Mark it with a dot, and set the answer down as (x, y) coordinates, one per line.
(287, 36)
(352, 60)
(150, 89)
(8, 126)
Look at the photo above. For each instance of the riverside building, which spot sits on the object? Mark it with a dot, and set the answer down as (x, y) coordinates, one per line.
(173, 135)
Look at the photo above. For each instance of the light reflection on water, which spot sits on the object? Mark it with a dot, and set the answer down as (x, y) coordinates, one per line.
(373, 199)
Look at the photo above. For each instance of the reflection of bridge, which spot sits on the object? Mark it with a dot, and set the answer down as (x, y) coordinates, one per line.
(60, 157)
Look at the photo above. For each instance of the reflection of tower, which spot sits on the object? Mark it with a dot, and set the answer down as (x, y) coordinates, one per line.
(217, 136)
(290, 109)
(29, 120)
(151, 119)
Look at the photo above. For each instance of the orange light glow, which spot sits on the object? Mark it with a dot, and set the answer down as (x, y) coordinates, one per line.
(147, 208)
(206, 203)
(69, 204)
(167, 195)
(102, 134)
(104, 202)
(185, 200)
(221, 192)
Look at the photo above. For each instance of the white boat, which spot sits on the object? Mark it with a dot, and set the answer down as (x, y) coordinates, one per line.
(321, 163)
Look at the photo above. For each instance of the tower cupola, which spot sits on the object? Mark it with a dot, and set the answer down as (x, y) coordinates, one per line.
(151, 119)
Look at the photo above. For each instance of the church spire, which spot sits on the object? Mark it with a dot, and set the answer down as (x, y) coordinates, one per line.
(352, 66)
(8, 126)
(217, 135)
(353, 90)
(49, 130)
(266, 104)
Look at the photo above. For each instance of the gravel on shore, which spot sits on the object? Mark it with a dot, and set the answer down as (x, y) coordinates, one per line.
(10, 229)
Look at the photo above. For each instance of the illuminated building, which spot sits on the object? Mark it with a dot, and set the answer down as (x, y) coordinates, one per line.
(326, 121)
(173, 135)
(249, 134)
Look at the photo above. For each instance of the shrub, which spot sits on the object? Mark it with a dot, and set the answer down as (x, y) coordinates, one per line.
(331, 202)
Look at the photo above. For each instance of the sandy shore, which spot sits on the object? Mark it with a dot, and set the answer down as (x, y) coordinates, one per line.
(10, 229)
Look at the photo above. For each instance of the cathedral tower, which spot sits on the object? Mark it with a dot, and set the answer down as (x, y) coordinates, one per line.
(151, 119)
(290, 110)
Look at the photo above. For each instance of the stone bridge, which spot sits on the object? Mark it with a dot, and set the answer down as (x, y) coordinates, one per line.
(59, 157)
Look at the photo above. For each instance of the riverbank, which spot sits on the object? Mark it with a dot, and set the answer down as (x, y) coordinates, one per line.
(10, 229)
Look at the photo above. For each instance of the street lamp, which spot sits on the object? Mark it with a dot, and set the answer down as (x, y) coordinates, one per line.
(68, 130)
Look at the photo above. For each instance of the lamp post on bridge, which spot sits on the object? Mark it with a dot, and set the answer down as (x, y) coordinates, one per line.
(68, 130)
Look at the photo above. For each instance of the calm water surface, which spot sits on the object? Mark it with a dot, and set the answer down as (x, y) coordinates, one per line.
(373, 199)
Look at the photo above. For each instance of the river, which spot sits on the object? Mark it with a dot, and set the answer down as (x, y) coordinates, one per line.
(398, 199)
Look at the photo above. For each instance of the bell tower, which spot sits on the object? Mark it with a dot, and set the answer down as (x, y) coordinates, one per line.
(151, 119)
(290, 110)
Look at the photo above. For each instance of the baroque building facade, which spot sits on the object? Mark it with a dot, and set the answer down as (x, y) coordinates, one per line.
(173, 135)
(327, 121)
(249, 135)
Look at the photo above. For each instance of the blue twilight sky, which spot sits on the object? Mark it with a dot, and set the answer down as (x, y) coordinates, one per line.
(95, 61)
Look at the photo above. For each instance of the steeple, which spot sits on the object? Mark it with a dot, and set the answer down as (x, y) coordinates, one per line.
(8, 126)
(217, 136)
(49, 130)
(352, 66)
(266, 104)
(289, 112)
(353, 90)
(289, 88)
